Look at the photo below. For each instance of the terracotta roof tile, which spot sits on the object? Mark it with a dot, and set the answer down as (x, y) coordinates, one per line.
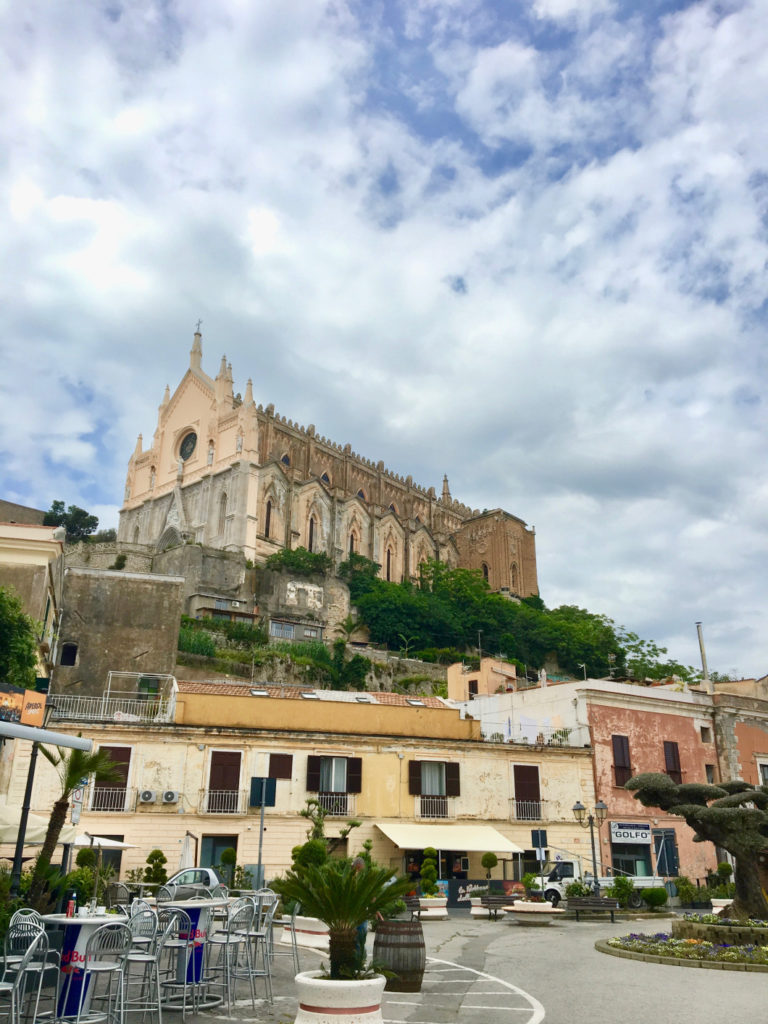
(233, 689)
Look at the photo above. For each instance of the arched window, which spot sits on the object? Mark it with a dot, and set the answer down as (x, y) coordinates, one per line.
(389, 564)
(135, 535)
(514, 579)
(361, 494)
(393, 508)
(239, 444)
(152, 477)
(485, 572)
(68, 654)
(325, 478)
(267, 518)
(210, 453)
(286, 459)
(222, 513)
(311, 541)
(417, 519)
(351, 543)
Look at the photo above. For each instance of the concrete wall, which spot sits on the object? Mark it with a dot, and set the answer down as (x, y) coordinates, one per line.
(126, 622)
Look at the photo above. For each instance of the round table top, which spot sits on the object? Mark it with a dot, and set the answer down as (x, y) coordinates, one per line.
(87, 919)
(183, 904)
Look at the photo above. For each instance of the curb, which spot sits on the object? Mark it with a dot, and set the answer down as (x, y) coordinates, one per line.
(675, 961)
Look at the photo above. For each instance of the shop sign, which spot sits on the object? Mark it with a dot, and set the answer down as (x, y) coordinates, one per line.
(630, 832)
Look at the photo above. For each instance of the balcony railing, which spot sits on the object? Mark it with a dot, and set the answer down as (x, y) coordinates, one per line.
(115, 799)
(527, 810)
(538, 736)
(114, 708)
(223, 801)
(429, 806)
(337, 804)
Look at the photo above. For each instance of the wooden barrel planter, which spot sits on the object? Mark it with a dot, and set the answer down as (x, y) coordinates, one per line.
(398, 946)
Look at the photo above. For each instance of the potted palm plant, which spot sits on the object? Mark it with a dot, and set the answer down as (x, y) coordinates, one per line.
(344, 894)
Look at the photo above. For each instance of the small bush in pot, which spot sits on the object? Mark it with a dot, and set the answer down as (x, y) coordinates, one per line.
(489, 861)
(530, 885)
(621, 889)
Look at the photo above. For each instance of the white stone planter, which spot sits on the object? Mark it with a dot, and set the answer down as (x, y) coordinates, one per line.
(718, 906)
(476, 908)
(309, 932)
(529, 913)
(326, 1002)
(433, 908)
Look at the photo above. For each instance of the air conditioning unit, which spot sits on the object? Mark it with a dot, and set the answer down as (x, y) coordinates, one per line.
(235, 604)
(170, 796)
(147, 796)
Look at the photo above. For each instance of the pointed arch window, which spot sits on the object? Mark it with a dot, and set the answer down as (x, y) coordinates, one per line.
(485, 572)
(325, 478)
(222, 513)
(389, 564)
(311, 539)
(514, 578)
(361, 494)
(267, 518)
(286, 459)
(393, 508)
(136, 535)
(351, 543)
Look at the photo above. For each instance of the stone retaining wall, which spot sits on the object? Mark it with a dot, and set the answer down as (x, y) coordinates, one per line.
(732, 935)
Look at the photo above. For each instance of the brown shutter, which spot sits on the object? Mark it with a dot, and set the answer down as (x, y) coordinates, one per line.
(121, 759)
(622, 769)
(527, 783)
(225, 770)
(354, 774)
(414, 778)
(280, 766)
(452, 787)
(313, 773)
(672, 761)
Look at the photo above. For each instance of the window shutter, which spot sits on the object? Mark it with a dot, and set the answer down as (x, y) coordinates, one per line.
(354, 774)
(672, 761)
(452, 787)
(280, 766)
(621, 751)
(313, 773)
(414, 778)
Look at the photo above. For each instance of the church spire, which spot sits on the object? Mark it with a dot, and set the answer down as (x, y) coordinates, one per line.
(137, 449)
(446, 489)
(248, 393)
(196, 352)
(166, 397)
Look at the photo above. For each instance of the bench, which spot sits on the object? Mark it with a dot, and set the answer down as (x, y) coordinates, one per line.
(412, 904)
(593, 905)
(496, 902)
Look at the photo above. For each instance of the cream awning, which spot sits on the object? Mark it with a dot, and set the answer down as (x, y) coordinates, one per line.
(473, 838)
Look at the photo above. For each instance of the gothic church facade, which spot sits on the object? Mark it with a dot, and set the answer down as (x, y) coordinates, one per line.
(226, 473)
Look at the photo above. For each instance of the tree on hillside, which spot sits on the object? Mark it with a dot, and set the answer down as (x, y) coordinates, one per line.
(78, 523)
(734, 815)
(335, 671)
(18, 642)
(300, 561)
(73, 766)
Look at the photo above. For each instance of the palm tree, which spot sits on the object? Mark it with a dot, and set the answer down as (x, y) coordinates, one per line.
(73, 766)
(344, 895)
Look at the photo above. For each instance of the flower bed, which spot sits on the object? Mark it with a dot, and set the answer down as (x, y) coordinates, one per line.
(662, 944)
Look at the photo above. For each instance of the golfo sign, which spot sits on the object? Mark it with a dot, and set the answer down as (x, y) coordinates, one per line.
(630, 832)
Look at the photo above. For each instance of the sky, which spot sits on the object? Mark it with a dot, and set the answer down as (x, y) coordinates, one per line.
(523, 244)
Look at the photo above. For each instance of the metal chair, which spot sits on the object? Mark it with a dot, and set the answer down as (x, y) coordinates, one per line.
(149, 996)
(139, 905)
(165, 893)
(175, 965)
(27, 914)
(15, 979)
(106, 953)
(259, 937)
(118, 893)
(227, 946)
(143, 927)
(290, 924)
(21, 932)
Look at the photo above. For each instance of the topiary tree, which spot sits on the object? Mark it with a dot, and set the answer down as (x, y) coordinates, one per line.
(155, 869)
(655, 898)
(228, 863)
(489, 861)
(734, 815)
(429, 885)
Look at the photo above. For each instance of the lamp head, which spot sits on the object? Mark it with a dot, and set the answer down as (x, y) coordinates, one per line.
(601, 810)
(579, 811)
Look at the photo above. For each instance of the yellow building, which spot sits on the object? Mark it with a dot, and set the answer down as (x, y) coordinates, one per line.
(190, 760)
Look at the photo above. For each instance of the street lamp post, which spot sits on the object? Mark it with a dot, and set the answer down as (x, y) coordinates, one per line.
(24, 816)
(588, 821)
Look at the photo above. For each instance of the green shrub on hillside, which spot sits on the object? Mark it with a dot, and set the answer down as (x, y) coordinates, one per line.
(195, 641)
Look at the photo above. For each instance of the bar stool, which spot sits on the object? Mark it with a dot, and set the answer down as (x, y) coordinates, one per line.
(175, 967)
(226, 946)
(149, 995)
(14, 981)
(106, 952)
(290, 924)
(259, 938)
(143, 927)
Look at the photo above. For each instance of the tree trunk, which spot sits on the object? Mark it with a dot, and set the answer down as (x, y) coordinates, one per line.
(750, 900)
(342, 944)
(55, 825)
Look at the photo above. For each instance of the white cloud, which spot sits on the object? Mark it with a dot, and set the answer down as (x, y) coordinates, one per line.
(535, 262)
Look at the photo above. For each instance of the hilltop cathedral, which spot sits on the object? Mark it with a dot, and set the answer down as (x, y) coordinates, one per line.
(226, 473)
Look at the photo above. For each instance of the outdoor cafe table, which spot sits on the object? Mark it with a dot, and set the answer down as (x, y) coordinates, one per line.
(200, 924)
(77, 931)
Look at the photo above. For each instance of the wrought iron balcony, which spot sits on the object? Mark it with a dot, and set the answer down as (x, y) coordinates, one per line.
(114, 799)
(114, 708)
(337, 804)
(223, 801)
(429, 806)
(527, 810)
